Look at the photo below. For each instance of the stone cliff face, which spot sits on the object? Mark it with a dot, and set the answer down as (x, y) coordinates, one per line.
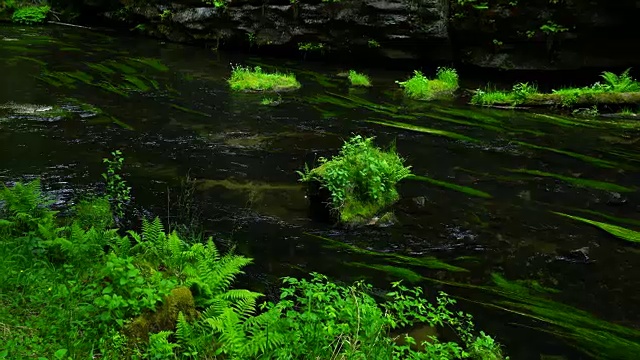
(510, 34)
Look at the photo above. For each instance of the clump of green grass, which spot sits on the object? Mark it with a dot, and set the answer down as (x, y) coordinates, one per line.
(518, 94)
(358, 79)
(422, 88)
(247, 79)
(270, 101)
(361, 179)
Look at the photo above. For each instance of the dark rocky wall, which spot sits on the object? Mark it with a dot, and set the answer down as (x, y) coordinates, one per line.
(509, 34)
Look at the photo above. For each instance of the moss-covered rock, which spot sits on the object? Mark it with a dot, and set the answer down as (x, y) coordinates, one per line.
(180, 300)
(357, 186)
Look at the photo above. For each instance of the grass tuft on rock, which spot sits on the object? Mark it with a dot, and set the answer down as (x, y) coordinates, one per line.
(247, 79)
(358, 79)
(420, 87)
(361, 179)
(617, 90)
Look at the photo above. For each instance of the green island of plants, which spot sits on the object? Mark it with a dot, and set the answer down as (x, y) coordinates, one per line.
(23, 13)
(615, 90)
(77, 287)
(419, 87)
(247, 79)
(361, 180)
(358, 79)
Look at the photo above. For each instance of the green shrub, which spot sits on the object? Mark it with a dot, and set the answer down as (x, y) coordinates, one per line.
(244, 79)
(358, 79)
(319, 319)
(421, 88)
(31, 15)
(361, 179)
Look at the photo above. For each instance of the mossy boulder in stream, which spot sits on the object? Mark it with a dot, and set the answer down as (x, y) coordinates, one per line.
(358, 185)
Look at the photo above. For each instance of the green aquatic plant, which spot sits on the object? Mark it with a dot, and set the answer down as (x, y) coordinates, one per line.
(617, 231)
(358, 79)
(246, 79)
(372, 43)
(422, 129)
(587, 183)
(361, 179)
(598, 338)
(463, 189)
(421, 88)
(428, 262)
(270, 101)
(31, 15)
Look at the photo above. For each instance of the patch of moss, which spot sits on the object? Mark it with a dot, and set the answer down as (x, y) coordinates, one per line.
(247, 79)
(180, 300)
(361, 180)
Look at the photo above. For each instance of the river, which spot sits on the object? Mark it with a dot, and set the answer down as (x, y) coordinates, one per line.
(485, 224)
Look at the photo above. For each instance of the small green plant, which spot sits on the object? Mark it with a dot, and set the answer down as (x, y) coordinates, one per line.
(311, 46)
(118, 192)
(627, 112)
(251, 36)
(247, 79)
(552, 28)
(361, 179)
(166, 14)
(373, 43)
(31, 15)
(216, 3)
(271, 101)
(421, 88)
(358, 79)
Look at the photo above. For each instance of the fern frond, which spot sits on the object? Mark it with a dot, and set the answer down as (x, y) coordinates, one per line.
(184, 331)
(152, 231)
(220, 276)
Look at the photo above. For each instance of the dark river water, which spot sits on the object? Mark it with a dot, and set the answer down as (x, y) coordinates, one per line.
(484, 224)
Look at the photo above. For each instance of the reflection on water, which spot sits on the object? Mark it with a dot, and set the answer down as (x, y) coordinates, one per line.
(482, 209)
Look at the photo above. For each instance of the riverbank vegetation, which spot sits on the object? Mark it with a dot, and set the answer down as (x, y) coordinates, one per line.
(616, 90)
(361, 180)
(420, 87)
(77, 287)
(247, 79)
(358, 79)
